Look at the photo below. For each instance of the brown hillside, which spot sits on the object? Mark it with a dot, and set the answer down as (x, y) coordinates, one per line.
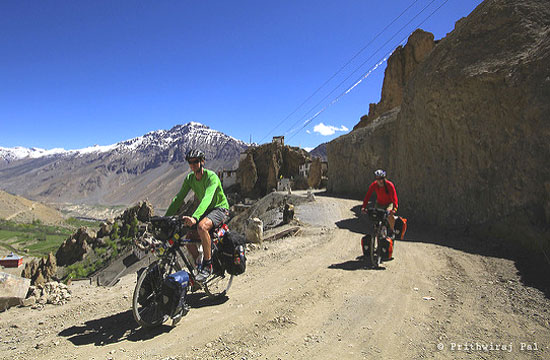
(19, 209)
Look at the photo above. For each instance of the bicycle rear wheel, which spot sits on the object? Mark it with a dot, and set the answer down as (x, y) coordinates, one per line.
(218, 285)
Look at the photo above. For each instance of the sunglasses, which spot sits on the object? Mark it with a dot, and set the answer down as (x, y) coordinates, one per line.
(193, 162)
(379, 178)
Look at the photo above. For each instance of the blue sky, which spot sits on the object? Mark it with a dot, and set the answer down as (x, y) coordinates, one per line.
(79, 73)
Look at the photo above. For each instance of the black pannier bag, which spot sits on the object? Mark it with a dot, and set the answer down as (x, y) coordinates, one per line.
(174, 290)
(233, 252)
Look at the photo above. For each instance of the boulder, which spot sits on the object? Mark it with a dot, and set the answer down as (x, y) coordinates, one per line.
(142, 211)
(288, 213)
(254, 231)
(49, 268)
(101, 241)
(13, 290)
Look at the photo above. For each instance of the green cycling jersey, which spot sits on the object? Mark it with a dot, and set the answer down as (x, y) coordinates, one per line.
(208, 190)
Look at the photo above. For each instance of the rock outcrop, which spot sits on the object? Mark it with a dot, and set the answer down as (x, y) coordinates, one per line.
(41, 271)
(76, 247)
(113, 235)
(142, 212)
(247, 175)
(401, 65)
(315, 174)
(469, 144)
(262, 167)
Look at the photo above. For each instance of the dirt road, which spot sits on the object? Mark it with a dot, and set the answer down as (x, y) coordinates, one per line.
(309, 297)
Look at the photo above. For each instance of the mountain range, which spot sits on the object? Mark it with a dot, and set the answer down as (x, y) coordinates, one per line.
(150, 167)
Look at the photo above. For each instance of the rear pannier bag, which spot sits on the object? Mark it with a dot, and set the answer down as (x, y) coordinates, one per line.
(400, 227)
(233, 253)
(387, 248)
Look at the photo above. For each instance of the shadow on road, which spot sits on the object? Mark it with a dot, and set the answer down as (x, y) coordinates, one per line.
(110, 330)
(352, 265)
(359, 224)
(120, 327)
(198, 300)
(532, 272)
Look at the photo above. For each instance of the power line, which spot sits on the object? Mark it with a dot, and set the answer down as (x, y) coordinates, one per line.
(360, 66)
(339, 70)
(364, 76)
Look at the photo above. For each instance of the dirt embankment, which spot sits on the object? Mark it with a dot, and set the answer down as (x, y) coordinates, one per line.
(309, 297)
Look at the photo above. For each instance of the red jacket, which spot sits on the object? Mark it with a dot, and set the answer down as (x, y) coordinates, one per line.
(382, 197)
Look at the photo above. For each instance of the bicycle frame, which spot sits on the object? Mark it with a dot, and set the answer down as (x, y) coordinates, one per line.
(175, 247)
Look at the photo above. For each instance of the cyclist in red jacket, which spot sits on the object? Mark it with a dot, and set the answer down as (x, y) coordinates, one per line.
(386, 196)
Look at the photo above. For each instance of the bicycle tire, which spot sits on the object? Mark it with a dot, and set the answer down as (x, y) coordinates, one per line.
(152, 314)
(365, 248)
(218, 285)
(374, 252)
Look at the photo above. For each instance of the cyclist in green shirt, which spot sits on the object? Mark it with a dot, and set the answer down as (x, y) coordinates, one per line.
(213, 209)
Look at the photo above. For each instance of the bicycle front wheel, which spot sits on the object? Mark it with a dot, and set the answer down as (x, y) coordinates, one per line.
(375, 256)
(148, 302)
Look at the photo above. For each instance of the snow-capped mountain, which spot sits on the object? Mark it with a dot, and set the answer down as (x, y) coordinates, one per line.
(196, 133)
(150, 166)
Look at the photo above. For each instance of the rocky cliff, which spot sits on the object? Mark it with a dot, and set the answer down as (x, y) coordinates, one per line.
(401, 65)
(263, 165)
(469, 143)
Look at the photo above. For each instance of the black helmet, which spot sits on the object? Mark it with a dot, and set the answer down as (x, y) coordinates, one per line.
(380, 173)
(195, 154)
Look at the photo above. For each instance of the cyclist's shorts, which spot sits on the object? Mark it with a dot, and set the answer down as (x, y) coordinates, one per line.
(388, 207)
(218, 216)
